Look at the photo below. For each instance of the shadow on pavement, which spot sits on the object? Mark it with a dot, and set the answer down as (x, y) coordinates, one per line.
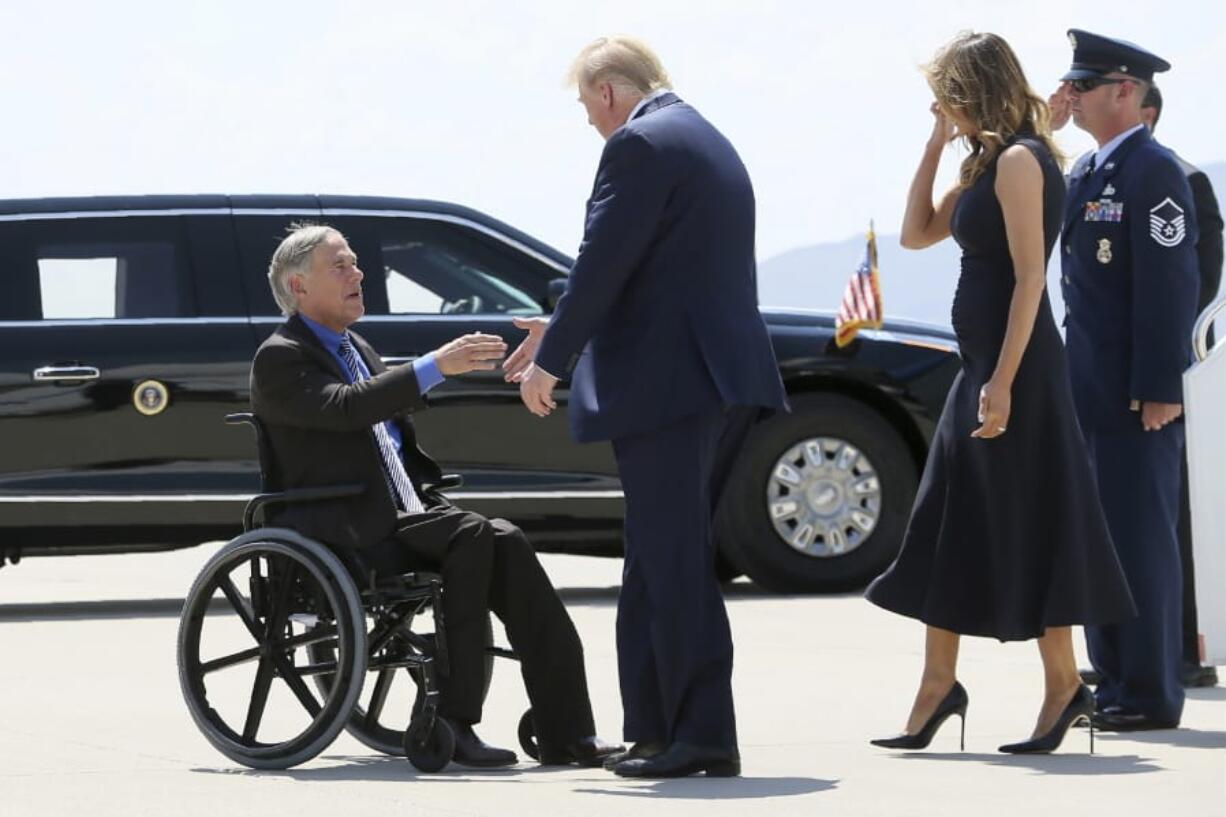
(718, 788)
(386, 769)
(1061, 764)
(1207, 694)
(1185, 738)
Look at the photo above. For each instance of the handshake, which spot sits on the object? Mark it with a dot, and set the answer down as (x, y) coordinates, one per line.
(478, 352)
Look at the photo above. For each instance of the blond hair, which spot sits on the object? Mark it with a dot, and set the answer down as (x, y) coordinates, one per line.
(979, 77)
(293, 256)
(622, 61)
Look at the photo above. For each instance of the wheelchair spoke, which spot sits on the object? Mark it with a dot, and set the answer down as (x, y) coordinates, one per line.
(229, 660)
(292, 677)
(379, 697)
(259, 697)
(240, 606)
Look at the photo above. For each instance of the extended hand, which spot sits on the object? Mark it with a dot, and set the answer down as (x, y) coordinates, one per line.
(1155, 415)
(536, 390)
(1061, 105)
(467, 353)
(519, 361)
(995, 402)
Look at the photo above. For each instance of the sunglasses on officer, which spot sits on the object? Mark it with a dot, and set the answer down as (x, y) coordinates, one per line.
(1087, 84)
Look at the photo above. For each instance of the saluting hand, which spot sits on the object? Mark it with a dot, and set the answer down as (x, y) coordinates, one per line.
(471, 352)
(1156, 415)
(943, 128)
(1061, 105)
(995, 403)
(519, 361)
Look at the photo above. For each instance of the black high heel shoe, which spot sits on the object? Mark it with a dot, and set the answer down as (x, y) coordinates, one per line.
(954, 703)
(1079, 709)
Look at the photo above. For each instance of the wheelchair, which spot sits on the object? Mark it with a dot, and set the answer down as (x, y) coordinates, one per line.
(320, 622)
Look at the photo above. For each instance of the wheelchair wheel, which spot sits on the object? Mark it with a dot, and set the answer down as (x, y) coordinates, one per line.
(527, 736)
(281, 593)
(380, 720)
(429, 746)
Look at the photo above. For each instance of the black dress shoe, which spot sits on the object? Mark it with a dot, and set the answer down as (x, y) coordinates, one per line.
(1115, 719)
(642, 749)
(589, 751)
(470, 750)
(682, 760)
(1079, 708)
(1090, 676)
(1194, 675)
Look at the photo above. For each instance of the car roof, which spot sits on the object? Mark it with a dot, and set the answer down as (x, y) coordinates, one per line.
(220, 204)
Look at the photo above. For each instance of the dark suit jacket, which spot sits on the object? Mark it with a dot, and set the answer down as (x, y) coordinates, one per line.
(319, 429)
(664, 287)
(1209, 225)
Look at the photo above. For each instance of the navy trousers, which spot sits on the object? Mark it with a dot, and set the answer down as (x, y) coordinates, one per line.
(1138, 476)
(674, 645)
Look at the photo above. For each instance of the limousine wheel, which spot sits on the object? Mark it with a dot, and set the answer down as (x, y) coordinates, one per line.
(820, 497)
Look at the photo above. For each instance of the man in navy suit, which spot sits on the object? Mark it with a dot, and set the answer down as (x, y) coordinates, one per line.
(667, 354)
(1130, 288)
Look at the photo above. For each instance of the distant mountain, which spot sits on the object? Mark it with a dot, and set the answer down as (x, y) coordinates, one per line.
(914, 284)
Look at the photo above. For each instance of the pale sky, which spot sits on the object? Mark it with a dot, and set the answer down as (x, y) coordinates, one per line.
(463, 101)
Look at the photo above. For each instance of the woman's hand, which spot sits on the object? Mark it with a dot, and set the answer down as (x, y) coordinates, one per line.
(943, 129)
(995, 402)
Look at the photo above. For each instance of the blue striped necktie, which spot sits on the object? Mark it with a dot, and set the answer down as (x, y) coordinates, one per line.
(397, 478)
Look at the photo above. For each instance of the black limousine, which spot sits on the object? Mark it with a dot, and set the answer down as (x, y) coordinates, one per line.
(128, 324)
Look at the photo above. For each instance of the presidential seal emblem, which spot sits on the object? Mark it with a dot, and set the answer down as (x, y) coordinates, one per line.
(1166, 223)
(150, 397)
(1104, 251)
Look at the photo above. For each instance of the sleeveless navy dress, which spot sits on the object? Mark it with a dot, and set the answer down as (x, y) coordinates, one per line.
(1007, 536)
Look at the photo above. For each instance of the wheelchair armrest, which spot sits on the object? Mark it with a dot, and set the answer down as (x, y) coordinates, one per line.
(297, 495)
(445, 483)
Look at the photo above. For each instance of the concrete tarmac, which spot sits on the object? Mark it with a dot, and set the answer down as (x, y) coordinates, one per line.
(92, 721)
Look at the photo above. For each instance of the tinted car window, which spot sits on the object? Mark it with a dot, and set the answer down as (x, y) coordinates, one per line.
(100, 268)
(434, 267)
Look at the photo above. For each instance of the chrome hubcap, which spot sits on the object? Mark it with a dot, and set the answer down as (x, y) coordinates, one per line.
(823, 497)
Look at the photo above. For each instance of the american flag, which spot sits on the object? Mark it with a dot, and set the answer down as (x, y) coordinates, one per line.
(861, 305)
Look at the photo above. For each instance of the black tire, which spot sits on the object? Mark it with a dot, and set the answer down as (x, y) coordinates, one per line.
(744, 530)
(318, 578)
(527, 735)
(384, 732)
(725, 569)
(429, 748)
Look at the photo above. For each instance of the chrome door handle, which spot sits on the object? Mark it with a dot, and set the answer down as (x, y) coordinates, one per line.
(66, 374)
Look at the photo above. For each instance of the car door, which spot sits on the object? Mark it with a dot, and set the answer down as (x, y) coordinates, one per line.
(431, 277)
(125, 342)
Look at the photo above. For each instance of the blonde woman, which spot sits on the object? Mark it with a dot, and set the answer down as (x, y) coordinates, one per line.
(1006, 538)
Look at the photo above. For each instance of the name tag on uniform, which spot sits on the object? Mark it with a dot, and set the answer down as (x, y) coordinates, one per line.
(1104, 210)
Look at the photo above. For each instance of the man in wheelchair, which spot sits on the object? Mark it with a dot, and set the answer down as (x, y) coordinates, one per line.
(334, 413)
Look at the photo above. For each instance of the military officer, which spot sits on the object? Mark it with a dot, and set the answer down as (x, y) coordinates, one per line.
(1128, 253)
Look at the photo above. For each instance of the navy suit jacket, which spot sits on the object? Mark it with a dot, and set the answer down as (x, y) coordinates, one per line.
(1130, 282)
(660, 317)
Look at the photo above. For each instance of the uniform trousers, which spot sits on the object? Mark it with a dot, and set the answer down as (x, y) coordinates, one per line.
(489, 565)
(1138, 477)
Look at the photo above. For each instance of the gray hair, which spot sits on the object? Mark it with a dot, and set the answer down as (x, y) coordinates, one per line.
(620, 60)
(293, 256)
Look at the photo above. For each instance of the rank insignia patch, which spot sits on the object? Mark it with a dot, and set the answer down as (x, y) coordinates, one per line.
(1104, 251)
(1166, 223)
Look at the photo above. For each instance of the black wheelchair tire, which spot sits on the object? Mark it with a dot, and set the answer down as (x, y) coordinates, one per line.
(341, 595)
(527, 735)
(432, 751)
